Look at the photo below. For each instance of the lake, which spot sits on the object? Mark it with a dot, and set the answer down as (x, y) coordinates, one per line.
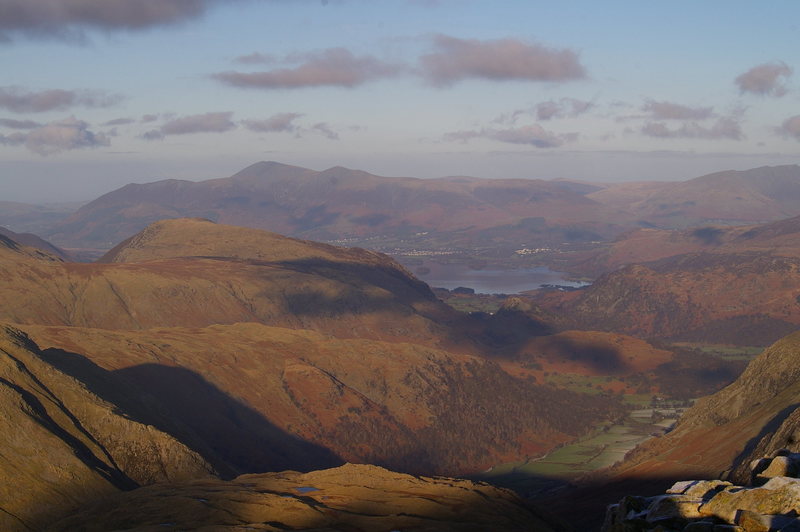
(491, 281)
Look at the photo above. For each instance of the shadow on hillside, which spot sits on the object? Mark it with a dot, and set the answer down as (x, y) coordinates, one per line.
(583, 508)
(405, 288)
(603, 359)
(39, 414)
(769, 428)
(231, 436)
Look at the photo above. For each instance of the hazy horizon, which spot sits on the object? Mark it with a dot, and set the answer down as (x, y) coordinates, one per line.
(141, 90)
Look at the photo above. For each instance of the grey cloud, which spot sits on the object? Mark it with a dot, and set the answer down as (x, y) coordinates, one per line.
(204, 123)
(723, 128)
(336, 67)
(153, 134)
(19, 100)
(277, 123)
(569, 107)
(547, 110)
(324, 129)
(119, 122)
(69, 18)
(790, 127)
(675, 111)
(67, 134)
(565, 107)
(148, 118)
(14, 139)
(532, 135)
(462, 136)
(499, 60)
(765, 79)
(18, 124)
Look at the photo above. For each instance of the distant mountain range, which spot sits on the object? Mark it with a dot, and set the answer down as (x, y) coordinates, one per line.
(454, 212)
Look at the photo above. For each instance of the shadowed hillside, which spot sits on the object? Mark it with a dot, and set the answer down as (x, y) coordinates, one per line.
(401, 405)
(63, 445)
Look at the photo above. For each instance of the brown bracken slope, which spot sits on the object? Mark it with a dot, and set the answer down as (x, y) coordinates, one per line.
(752, 417)
(738, 298)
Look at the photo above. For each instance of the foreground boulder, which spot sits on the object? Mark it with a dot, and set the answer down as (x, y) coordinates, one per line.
(770, 503)
(350, 497)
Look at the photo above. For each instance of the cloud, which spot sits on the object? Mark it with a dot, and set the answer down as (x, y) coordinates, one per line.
(153, 134)
(67, 134)
(790, 127)
(19, 100)
(563, 108)
(336, 67)
(499, 60)
(675, 111)
(204, 123)
(277, 123)
(566, 107)
(119, 122)
(532, 135)
(14, 139)
(324, 129)
(67, 19)
(18, 124)
(148, 118)
(723, 128)
(765, 79)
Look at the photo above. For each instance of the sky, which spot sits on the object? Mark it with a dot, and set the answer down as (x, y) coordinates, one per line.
(95, 94)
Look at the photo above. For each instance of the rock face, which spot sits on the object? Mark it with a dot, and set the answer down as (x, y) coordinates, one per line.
(715, 505)
(62, 445)
(350, 497)
(727, 436)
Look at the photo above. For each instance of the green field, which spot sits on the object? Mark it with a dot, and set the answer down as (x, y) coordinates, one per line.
(726, 352)
(603, 448)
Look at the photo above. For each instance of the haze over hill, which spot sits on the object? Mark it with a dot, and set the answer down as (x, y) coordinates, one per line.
(338, 203)
(455, 212)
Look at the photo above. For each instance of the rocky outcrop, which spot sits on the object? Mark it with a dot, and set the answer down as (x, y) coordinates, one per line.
(770, 503)
(62, 445)
(350, 497)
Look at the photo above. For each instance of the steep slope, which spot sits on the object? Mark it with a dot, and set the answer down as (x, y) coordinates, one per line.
(33, 241)
(351, 497)
(754, 416)
(740, 298)
(718, 437)
(63, 445)
(339, 203)
(401, 405)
